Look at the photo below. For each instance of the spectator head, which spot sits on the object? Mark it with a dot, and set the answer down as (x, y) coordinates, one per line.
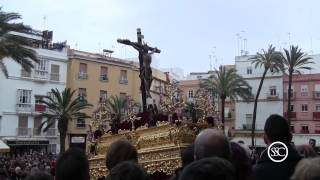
(241, 142)
(40, 176)
(210, 143)
(127, 170)
(312, 143)
(119, 151)
(213, 168)
(277, 128)
(187, 155)
(72, 164)
(240, 160)
(307, 169)
(18, 170)
(306, 151)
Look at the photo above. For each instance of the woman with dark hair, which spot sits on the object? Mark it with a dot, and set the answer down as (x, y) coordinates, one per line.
(119, 151)
(240, 161)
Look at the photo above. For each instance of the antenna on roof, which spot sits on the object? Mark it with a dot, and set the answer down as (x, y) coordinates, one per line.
(44, 22)
(107, 52)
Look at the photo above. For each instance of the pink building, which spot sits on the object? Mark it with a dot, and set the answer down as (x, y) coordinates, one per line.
(305, 106)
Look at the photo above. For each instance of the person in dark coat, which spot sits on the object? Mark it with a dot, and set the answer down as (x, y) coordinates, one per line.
(276, 129)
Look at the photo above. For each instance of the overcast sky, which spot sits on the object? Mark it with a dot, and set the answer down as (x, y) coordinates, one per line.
(187, 31)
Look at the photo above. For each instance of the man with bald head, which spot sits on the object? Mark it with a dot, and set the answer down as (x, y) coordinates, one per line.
(211, 143)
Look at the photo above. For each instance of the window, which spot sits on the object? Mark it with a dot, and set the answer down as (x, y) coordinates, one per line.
(39, 106)
(248, 124)
(304, 129)
(304, 108)
(23, 126)
(54, 76)
(317, 107)
(199, 77)
(24, 96)
(292, 108)
(82, 92)
(103, 73)
(317, 91)
(304, 90)
(103, 96)
(36, 125)
(123, 77)
(291, 93)
(41, 68)
(123, 74)
(292, 128)
(249, 70)
(81, 123)
(273, 91)
(83, 71)
(190, 93)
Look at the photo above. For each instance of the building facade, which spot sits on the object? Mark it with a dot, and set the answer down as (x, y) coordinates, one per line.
(305, 103)
(270, 99)
(190, 87)
(21, 91)
(97, 77)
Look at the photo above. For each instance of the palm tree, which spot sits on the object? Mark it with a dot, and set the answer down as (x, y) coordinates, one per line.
(61, 107)
(293, 61)
(117, 107)
(14, 46)
(227, 83)
(268, 60)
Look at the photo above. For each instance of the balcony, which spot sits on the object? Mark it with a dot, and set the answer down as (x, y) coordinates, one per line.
(304, 131)
(123, 81)
(285, 96)
(52, 132)
(246, 126)
(40, 75)
(272, 97)
(35, 132)
(24, 108)
(54, 77)
(291, 115)
(316, 94)
(40, 107)
(24, 131)
(104, 78)
(316, 115)
(82, 75)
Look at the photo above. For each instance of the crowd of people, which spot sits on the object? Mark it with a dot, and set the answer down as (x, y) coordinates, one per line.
(211, 157)
(20, 166)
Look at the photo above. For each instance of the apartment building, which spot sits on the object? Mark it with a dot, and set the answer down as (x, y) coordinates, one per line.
(270, 100)
(21, 91)
(192, 85)
(97, 77)
(305, 103)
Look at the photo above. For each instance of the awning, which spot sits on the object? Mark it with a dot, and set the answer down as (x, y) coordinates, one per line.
(4, 147)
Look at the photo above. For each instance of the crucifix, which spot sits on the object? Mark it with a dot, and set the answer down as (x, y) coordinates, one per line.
(145, 70)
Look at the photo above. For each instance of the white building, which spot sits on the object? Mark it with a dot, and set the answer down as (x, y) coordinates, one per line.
(21, 91)
(270, 99)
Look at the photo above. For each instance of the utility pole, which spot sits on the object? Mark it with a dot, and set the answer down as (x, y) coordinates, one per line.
(143, 50)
